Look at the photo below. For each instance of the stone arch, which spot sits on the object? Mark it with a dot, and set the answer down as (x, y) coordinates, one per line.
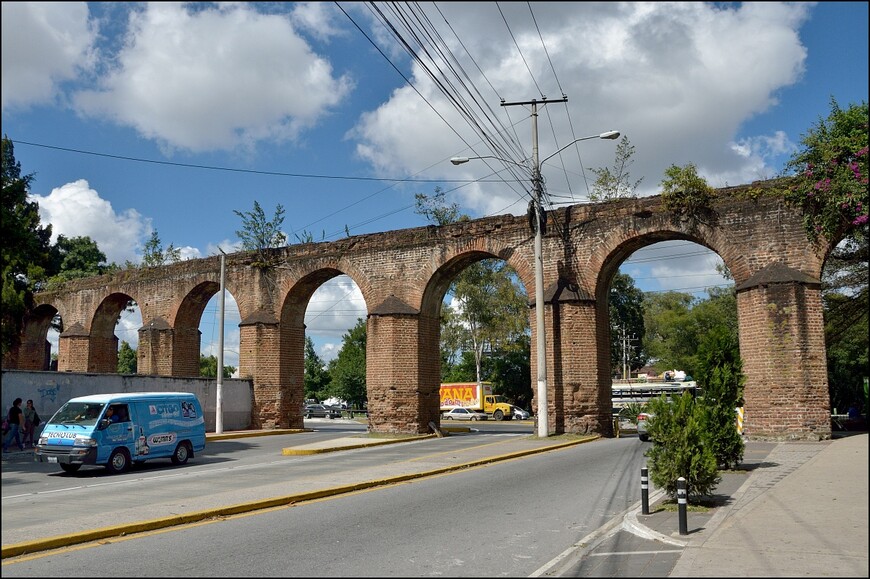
(34, 353)
(102, 343)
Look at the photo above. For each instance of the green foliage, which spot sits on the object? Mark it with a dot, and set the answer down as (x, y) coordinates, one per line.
(24, 250)
(685, 192)
(625, 302)
(127, 362)
(348, 369)
(676, 324)
(830, 184)
(76, 257)
(680, 447)
(670, 337)
(511, 373)
(436, 209)
(154, 254)
(846, 331)
(317, 378)
(492, 312)
(631, 410)
(721, 379)
(616, 183)
(208, 367)
(259, 234)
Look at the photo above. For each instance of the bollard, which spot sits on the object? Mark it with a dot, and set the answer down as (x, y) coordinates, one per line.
(644, 491)
(681, 505)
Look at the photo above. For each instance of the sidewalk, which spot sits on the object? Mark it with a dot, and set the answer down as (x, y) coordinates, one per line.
(800, 510)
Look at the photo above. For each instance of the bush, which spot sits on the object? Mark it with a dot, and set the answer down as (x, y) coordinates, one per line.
(721, 380)
(680, 447)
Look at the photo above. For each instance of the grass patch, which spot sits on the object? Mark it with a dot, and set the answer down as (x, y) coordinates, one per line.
(671, 506)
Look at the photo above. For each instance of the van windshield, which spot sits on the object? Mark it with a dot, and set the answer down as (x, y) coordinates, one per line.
(81, 413)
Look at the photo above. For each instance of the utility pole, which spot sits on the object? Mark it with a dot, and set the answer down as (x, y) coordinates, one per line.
(541, 342)
(219, 409)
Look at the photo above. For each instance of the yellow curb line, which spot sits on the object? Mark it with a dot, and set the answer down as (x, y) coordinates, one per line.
(290, 451)
(26, 547)
(242, 434)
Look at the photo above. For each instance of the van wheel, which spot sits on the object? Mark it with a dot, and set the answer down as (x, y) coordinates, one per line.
(70, 467)
(119, 461)
(498, 415)
(181, 454)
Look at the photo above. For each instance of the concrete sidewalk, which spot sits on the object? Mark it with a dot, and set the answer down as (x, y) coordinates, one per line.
(800, 509)
(807, 517)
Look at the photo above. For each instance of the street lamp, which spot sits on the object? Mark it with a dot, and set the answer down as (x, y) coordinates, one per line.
(541, 342)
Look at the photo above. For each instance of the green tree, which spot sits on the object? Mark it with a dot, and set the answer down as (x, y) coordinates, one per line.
(127, 361)
(830, 173)
(680, 447)
(720, 376)
(670, 338)
(511, 372)
(259, 234)
(616, 183)
(685, 192)
(76, 257)
(24, 253)
(493, 312)
(830, 186)
(317, 376)
(348, 369)
(208, 367)
(436, 209)
(154, 254)
(625, 303)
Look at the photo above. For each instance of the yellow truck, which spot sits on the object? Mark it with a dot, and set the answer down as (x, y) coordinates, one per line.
(475, 396)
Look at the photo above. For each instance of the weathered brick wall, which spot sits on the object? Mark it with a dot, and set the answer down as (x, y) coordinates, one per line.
(403, 276)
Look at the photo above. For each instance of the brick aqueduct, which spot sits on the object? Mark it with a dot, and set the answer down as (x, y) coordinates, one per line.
(403, 276)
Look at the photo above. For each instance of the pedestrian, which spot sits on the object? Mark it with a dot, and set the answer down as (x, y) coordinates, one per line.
(16, 423)
(31, 423)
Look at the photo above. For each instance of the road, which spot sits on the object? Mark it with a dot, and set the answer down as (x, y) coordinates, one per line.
(509, 518)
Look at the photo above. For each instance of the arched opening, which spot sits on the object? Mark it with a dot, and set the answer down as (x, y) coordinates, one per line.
(483, 328)
(209, 331)
(665, 301)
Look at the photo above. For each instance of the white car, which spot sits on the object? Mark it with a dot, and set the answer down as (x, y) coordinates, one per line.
(460, 413)
(520, 414)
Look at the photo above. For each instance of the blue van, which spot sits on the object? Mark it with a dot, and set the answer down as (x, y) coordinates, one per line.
(116, 430)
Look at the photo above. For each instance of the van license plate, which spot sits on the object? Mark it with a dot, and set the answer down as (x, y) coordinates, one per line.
(52, 459)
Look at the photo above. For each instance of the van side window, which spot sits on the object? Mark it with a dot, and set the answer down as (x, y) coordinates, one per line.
(118, 413)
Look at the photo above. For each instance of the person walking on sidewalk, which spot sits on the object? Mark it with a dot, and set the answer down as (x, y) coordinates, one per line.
(31, 422)
(16, 424)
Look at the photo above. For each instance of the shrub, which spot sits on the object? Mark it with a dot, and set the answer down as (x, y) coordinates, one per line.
(680, 447)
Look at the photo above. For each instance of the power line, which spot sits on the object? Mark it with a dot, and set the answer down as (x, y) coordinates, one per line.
(236, 170)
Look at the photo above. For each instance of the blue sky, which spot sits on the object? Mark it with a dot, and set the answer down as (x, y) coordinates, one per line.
(170, 117)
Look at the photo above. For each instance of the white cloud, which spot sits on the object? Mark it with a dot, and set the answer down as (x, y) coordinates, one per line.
(678, 79)
(334, 308)
(44, 44)
(76, 210)
(214, 78)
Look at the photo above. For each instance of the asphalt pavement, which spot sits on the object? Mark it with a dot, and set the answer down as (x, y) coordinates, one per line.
(790, 509)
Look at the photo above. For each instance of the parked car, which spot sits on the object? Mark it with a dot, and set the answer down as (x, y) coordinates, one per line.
(321, 411)
(460, 413)
(520, 414)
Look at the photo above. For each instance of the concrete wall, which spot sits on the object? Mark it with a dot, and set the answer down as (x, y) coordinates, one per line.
(50, 390)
